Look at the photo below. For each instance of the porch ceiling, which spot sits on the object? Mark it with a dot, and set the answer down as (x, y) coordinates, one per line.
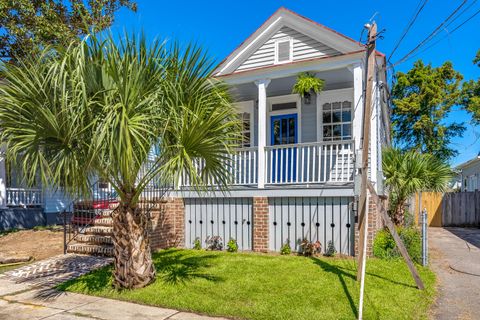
(334, 79)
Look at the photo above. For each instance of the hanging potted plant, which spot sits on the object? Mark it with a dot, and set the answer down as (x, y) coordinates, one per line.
(306, 84)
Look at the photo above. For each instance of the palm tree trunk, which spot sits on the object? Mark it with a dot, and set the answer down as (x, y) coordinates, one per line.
(133, 259)
(399, 214)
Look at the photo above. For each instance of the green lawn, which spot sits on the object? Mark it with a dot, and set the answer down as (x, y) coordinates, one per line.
(257, 286)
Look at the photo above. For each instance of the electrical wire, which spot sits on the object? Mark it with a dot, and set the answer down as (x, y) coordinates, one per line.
(430, 36)
(446, 36)
(419, 9)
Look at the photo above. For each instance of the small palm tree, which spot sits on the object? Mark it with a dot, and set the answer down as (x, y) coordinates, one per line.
(98, 109)
(409, 172)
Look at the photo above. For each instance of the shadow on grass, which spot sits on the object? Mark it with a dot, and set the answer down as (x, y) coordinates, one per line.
(341, 273)
(173, 266)
(176, 266)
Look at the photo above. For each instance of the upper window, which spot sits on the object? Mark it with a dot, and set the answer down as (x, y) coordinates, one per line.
(337, 121)
(284, 106)
(283, 50)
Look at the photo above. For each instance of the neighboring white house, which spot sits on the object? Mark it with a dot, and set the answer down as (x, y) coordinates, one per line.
(469, 174)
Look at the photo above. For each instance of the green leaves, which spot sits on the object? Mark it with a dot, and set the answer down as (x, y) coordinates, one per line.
(27, 27)
(99, 108)
(422, 100)
(409, 172)
(307, 82)
(471, 94)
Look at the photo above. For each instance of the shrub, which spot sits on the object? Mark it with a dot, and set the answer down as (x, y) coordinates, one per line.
(232, 245)
(330, 252)
(286, 249)
(214, 243)
(408, 219)
(310, 248)
(197, 244)
(384, 246)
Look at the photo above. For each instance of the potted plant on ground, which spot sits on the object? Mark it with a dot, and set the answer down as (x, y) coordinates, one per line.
(306, 84)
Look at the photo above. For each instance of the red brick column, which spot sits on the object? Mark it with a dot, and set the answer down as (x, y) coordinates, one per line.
(167, 224)
(374, 224)
(260, 224)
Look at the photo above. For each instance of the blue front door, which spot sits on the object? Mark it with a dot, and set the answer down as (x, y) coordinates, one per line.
(284, 131)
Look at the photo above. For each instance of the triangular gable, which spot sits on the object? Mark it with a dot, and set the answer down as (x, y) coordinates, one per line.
(304, 47)
(310, 40)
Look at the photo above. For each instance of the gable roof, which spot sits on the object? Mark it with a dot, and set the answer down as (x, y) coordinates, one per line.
(468, 163)
(324, 40)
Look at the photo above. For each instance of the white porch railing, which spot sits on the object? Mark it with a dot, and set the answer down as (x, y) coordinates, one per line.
(24, 197)
(306, 163)
(303, 163)
(242, 163)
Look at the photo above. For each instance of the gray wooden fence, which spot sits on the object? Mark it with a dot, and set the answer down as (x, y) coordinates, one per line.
(229, 218)
(321, 219)
(461, 209)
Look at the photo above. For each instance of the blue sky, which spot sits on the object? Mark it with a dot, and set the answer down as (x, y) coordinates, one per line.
(220, 26)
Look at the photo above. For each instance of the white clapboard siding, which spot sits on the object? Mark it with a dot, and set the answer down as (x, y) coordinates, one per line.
(304, 48)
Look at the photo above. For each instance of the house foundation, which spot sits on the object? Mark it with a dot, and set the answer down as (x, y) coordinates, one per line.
(167, 223)
(261, 223)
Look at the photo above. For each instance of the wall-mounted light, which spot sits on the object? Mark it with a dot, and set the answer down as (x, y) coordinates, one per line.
(307, 98)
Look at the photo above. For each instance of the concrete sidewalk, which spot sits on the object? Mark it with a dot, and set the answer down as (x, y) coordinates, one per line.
(18, 301)
(27, 293)
(455, 258)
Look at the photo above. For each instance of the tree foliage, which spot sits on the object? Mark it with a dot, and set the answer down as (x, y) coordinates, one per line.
(27, 26)
(409, 172)
(471, 94)
(422, 100)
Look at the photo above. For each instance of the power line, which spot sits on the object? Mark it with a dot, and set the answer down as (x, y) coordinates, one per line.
(460, 14)
(419, 9)
(447, 35)
(431, 35)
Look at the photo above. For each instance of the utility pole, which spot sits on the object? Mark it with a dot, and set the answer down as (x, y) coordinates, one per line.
(367, 113)
(363, 205)
(366, 184)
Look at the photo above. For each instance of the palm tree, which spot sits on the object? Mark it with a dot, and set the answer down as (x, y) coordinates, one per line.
(409, 172)
(98, 109)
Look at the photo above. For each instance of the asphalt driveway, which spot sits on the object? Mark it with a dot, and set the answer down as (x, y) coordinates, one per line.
(455, 258)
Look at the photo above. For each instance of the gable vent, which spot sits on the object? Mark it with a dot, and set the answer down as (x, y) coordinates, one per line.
(284, 51)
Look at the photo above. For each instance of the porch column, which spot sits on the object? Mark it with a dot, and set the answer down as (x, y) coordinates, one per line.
(262, 129)
(3, 179)
(357, 124)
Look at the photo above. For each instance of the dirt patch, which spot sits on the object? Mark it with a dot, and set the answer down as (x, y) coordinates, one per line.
(39, 244)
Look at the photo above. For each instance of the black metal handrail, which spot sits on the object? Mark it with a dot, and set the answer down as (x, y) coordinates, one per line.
(83, 212)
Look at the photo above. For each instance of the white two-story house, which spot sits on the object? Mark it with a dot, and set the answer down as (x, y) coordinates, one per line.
(299, 157)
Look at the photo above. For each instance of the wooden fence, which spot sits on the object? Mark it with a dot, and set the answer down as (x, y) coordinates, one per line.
(461, 209)
(432, 201)
(449, 209)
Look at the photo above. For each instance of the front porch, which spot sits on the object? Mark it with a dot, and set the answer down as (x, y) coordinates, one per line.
(303, 164)
(291, 141)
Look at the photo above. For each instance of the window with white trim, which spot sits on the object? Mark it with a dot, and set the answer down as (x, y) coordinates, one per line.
(283, 50)
(337, 120)
(245, 114)
(245, 129)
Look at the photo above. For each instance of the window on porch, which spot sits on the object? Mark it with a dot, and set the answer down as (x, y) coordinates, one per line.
(337, 121)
